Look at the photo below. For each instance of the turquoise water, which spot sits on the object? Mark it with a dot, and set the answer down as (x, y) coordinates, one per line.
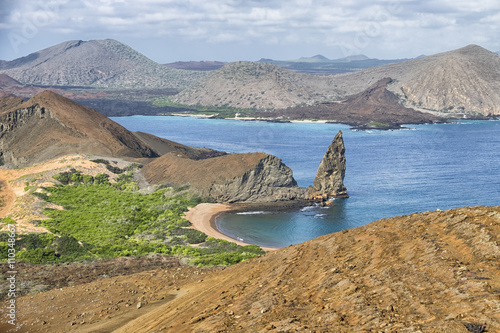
(389, 173)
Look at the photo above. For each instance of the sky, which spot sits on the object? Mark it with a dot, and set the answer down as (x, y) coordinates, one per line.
(232, 30)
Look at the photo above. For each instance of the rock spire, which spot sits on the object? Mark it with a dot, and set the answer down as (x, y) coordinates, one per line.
(329, 180)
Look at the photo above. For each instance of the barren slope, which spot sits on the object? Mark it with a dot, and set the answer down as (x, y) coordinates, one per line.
(375, 104)
(429, 272)
(97, 63)
(464, 80)
(257, 85)
(49, 125)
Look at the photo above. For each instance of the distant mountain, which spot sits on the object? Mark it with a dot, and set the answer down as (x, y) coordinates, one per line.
(375, 107)
(319, 64)
(257, 85)
(316, 58)
(96, 63)
(196, 65)
(49, 126)
(466, 80)
(356, 57)
(463, 81)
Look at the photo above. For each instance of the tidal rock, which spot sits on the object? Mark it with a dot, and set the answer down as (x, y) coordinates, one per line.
(329, 180)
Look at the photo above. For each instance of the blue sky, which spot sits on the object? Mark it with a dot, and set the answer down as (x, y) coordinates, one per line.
(230, 30)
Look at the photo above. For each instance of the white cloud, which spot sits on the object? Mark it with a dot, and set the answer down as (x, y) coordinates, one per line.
(378, 28)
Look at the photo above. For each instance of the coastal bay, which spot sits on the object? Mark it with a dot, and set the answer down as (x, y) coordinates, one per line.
(389, 173)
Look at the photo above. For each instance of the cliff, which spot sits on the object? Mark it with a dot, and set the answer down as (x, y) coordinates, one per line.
(329, 180)
(250, 177)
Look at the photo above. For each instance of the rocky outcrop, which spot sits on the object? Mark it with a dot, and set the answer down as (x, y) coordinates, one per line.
(269, 180)
(329, 180)
(250, 177)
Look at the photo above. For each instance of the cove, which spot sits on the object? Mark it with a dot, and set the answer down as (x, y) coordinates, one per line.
(389, 173)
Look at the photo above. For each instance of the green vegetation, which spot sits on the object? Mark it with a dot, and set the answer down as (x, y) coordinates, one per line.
(101, 219)
(115, 169)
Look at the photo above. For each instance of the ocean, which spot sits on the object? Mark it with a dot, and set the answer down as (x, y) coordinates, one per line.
(389, 173)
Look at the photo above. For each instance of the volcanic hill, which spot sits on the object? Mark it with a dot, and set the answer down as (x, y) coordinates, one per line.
(466, 80)
(429, 272)
(96, 63)
(257, 85)
(375, 107)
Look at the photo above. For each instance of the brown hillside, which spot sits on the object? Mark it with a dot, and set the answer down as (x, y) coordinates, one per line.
(429, 272)
(255, 177)
(375, 104)
(177, 169)
(163, 146)
(9, 102)
(49, 125)
(7, 82)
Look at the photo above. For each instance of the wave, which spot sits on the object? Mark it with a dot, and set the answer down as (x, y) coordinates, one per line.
(260, 212)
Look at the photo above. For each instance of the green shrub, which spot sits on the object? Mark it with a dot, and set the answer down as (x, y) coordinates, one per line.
(63, 177)
(101, 179)
(103, 221)
(88, 179)
(77, 178)
(37, 256)
(192, 236)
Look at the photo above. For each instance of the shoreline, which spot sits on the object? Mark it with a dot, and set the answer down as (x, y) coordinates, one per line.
(203, 217)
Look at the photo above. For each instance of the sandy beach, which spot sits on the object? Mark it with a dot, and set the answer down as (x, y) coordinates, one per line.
(202, 217)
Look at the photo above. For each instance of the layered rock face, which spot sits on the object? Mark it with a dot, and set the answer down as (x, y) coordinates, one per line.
(269, 180)
(251, 177)
(329, 180)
